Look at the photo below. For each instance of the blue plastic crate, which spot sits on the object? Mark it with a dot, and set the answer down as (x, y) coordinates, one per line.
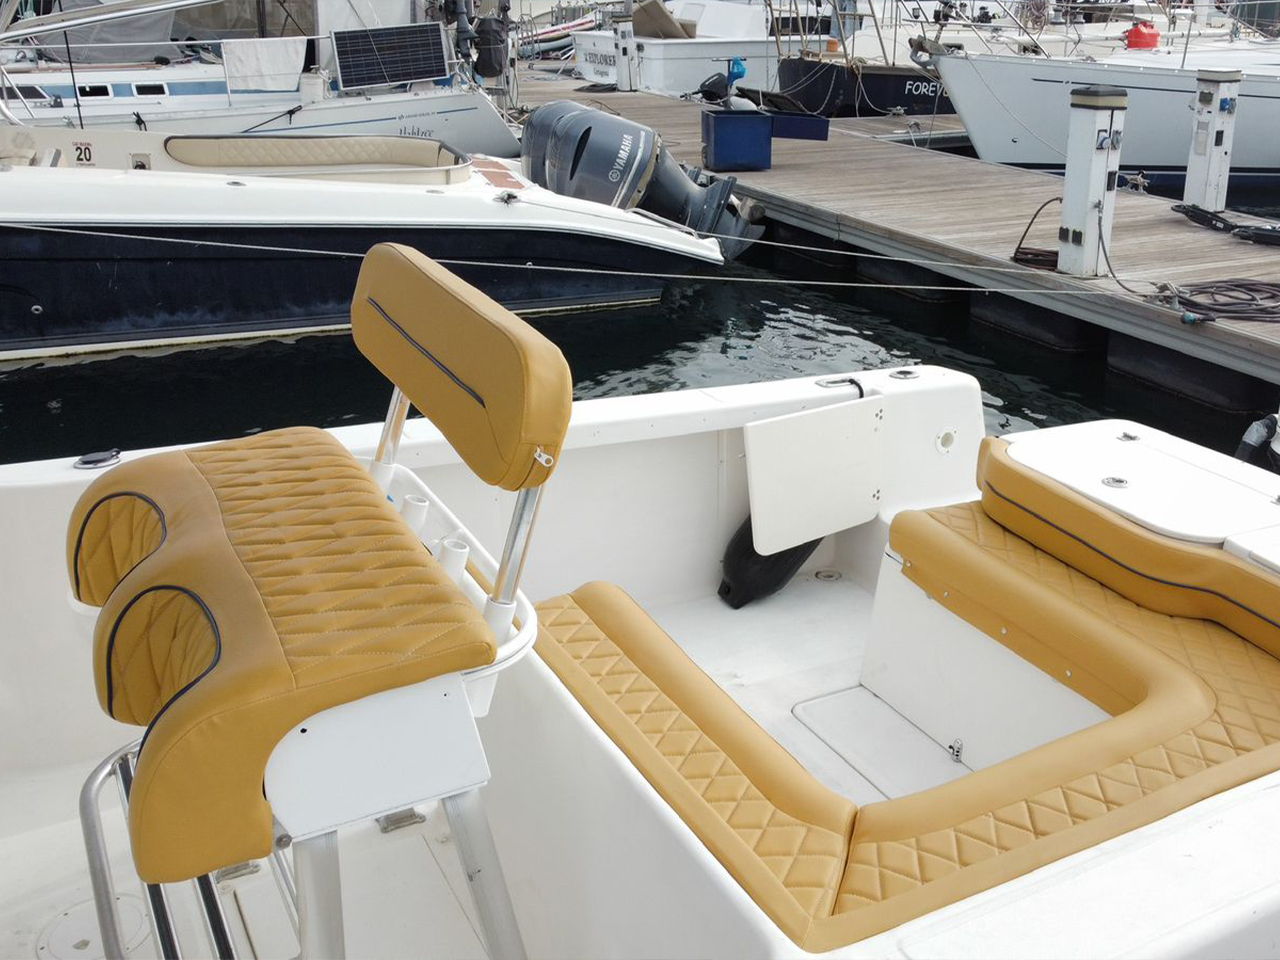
(799, 126)
(737, 140)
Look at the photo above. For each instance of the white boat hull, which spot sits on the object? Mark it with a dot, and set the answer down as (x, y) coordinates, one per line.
(463, 118)
(1015, 110)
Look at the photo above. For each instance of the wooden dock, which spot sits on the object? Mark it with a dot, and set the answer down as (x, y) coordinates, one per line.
(965, 216)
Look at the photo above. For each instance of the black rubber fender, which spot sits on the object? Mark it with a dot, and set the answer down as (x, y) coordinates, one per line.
(748, 575)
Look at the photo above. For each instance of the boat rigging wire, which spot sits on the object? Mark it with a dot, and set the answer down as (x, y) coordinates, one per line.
(71, 66)
(492, 265)
(809, 248)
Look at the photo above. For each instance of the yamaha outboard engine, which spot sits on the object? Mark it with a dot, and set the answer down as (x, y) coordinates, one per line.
(588, 154)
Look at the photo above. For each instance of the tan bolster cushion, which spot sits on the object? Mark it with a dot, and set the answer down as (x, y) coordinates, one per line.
(781, 834)
(498, 390)
(1160, 573)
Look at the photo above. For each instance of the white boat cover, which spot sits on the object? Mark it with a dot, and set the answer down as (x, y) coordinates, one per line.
(271, 64)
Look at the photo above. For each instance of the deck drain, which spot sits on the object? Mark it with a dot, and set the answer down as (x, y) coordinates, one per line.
(73, 933)
(1114, 482)
(828, 575)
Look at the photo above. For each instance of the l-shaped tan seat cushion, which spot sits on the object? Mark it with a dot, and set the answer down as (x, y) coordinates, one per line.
(246, 586)
(1196, 710)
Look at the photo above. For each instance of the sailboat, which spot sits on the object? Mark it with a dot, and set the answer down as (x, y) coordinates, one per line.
(367, 68)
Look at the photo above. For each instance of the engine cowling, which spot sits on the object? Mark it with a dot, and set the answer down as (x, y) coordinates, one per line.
(588, 154)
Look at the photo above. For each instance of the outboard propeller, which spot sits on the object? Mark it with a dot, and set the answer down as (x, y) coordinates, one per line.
(588, 154)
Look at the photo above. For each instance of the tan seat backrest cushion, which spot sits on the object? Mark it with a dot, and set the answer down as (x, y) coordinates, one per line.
(1170, 576)
(307, 151)
(498, 390)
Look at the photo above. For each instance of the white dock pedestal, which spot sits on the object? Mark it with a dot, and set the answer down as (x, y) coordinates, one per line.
(624, 45)
(1209, 162)
(1093, 165)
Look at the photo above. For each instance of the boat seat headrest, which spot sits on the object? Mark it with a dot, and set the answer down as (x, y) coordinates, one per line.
(498, 390)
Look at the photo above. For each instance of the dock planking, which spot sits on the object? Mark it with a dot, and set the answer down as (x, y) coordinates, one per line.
(964, 217)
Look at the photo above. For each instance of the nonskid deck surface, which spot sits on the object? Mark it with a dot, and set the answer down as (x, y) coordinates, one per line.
(404, 893)
(793, 661)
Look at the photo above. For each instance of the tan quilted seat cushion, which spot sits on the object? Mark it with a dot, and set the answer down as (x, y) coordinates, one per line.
(286, 584)
(118, 532)
(262, 151)
(1196, 711)
(780, 833)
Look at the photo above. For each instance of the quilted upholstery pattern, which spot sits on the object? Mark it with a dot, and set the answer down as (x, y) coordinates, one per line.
(117, 533)
(345, 583)
(307, 151)
(286, 584)
(805, 858)
(909, 856)
(165, 641)
(1244, 679)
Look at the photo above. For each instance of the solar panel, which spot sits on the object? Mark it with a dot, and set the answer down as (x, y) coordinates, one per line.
(387, 56)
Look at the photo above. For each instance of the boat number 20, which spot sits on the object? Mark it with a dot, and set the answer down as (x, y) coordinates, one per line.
(84, 152)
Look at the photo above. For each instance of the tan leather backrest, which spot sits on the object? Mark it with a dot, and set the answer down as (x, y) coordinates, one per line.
(498, 390)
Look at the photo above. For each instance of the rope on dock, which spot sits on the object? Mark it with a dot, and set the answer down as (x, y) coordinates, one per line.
(1236, 299)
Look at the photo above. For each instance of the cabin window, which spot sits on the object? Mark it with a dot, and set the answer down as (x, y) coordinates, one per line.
(27, 93)
(151, 89)
(94, 90)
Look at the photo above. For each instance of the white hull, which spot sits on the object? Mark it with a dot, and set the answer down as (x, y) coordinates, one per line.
(675, 67)
(1015, 109)
(597, 863)
(464, 118)
(200, 98)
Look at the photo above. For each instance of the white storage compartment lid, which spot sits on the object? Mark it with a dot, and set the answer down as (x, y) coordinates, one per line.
(813, 473)
(1167, 485)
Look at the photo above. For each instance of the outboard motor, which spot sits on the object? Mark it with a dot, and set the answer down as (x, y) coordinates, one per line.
(588, 154)
(714, 89)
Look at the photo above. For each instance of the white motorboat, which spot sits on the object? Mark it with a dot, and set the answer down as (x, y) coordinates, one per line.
(263, 85)
(679, 44)
(1015, 108)
(970, 697)
(289, 218)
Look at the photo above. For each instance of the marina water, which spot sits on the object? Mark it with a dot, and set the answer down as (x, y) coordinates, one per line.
(704, 333)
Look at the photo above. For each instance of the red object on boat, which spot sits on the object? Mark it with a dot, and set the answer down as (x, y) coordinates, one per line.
(1143, 35)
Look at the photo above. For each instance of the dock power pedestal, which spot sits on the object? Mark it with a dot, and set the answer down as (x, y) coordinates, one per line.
(1209, 162)
(1094, 133)
(626, 62)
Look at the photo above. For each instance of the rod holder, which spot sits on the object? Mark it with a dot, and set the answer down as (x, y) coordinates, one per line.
(414, 509)
(453, 555)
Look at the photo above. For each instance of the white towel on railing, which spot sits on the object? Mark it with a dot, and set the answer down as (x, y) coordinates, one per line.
(271, 64)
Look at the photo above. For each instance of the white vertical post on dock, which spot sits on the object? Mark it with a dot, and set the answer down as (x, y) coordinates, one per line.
(1094, 133)
(624, 47)
(1209, 163)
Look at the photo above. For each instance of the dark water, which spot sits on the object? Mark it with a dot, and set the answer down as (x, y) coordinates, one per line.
(703, 333)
